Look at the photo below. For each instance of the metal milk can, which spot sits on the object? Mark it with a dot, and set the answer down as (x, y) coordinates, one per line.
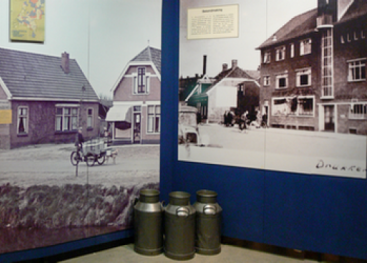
(208, 223)
(179, 226)
(148, 216)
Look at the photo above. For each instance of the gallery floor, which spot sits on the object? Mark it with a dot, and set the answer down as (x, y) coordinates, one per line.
(229, 254)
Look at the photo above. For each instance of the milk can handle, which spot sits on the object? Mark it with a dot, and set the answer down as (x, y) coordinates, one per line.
(209, 209)
(182, 211)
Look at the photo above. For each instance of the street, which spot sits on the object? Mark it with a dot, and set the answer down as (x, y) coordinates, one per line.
(50, 164)
(283, 150)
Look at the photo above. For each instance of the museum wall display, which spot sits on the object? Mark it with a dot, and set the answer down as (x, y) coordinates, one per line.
(273, 189)
(66, 66)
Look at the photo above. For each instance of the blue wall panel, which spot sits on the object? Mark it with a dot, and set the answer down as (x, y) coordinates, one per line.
(308, 212)
(316, 213)
(240, 194)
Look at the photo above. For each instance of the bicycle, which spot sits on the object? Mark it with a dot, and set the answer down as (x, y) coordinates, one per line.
(78, 156)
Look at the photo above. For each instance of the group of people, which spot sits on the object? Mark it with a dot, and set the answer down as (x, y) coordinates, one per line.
(245, 119)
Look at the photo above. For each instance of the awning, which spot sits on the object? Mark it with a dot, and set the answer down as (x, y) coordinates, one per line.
(119, 113)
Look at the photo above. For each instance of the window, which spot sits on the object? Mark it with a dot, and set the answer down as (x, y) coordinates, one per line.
(280, 107)
(22, 120)
(66, 118)
(305, 106)
(358, 111)
(292, 50)
(357, 70)
(90, 118)
(282, 81)
(327, 64)
(267, 81)
(141, 82)
(303, 77)
(293, 106)
(355, 35)
(305, 47)
(267, 56)
(154, 117)
(280, 53)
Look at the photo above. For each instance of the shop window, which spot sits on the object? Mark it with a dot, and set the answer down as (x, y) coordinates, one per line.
(23, 118)
(154, 119)
(357, 70)
(305, 106)
(358, 111)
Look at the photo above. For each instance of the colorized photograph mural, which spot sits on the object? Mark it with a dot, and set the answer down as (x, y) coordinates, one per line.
(274, 85)
(79, 118)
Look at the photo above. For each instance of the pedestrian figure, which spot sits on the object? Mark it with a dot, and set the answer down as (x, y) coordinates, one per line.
(79, 139)
(243, 121)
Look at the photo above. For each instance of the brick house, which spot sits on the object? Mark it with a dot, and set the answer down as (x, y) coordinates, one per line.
(45, 99)
(135, 114)
(313, 70)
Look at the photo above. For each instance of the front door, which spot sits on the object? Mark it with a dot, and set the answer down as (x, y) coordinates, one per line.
(329, 118)
(137, 133)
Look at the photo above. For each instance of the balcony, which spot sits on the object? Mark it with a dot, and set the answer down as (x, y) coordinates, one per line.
(324, 21)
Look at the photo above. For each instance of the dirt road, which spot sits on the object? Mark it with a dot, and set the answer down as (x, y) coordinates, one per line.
(50, 165)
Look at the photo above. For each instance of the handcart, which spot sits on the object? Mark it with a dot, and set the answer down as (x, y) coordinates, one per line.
(94, 150)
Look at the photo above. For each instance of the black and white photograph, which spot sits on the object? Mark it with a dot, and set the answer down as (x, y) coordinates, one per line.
(288, 93)
(79, 119)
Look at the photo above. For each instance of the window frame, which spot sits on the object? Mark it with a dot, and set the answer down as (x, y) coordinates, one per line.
(305, 47)
(291, 50)
(361, 115)
(281, 76)
(286, 104)
(90, 118)
(154, 119)
(352, 66)
(267, 57)
(266, 81)
(280, 53)
(21, 116)
(143, 77)
(66, 121)
(303, 72)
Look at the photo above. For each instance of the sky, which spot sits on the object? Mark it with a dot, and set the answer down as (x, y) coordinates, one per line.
(103, 36)
(258, 20)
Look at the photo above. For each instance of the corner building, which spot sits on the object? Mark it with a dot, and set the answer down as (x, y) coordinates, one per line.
(313, 70)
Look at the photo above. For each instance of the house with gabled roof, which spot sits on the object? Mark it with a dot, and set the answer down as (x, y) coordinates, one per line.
(214, 96)
(136, 112)
(45, 99)
(313, 70)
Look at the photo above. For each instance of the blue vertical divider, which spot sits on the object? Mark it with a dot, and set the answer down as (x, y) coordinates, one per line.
(308, 212)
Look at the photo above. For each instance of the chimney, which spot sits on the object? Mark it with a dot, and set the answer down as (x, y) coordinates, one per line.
(65, 62)
(234, 63)
(224, 66)
(204, 65)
